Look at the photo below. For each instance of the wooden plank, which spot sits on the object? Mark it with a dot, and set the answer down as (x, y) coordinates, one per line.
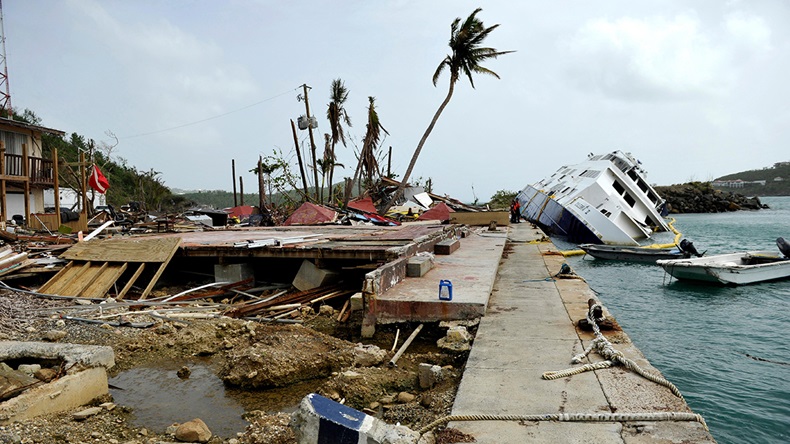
(90, 275)
(160, 271)
(502, 218)
(88, 272)
(131, 282)
(45, 288)
(74, 273)
(105, 281)
(124, 250)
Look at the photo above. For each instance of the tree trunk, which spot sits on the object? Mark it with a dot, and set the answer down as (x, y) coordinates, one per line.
(416, 154)
(332, 175)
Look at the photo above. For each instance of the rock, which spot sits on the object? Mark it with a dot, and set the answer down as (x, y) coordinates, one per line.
(107, 406)
(193, 431)
(9, 438)
(350, 375)
(184, 372)
(87, 413)
(368, 355)
(45, 374)
(457, 339)
(429, 375)
(164, 329)
(327, 310)
(426, 400)
(374, 405)
(387, 400)
(405, 397)
(13, 381)
(54, 335)
(29, 369)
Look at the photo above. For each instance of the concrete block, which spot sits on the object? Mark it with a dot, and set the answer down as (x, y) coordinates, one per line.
(356, 302)
(309, 276)
(321, 420)
(233, 272)
(418, 266)
(447, 246)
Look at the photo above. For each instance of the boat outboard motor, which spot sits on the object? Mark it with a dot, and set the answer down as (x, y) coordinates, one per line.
(784, 246)
(686, 246)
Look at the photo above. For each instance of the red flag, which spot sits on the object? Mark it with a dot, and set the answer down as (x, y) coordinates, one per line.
(97, 181)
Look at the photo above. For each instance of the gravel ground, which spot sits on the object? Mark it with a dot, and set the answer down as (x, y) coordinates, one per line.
(378, 389)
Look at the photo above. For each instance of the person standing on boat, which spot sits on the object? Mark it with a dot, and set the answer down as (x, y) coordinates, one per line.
(515, 209)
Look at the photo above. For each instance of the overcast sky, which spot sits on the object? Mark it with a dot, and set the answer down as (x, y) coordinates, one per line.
(694, 89)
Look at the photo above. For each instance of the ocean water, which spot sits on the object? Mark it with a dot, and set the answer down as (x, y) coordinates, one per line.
(726, 348)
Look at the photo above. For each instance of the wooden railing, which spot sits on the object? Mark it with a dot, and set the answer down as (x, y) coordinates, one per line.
(41, 170)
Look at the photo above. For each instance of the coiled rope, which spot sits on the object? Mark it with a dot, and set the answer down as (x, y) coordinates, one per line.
(574, 417)
(604, 348)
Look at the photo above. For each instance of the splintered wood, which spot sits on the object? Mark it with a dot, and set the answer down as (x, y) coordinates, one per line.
(97, 265)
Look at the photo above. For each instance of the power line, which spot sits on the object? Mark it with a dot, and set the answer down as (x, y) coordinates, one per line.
(210, 118)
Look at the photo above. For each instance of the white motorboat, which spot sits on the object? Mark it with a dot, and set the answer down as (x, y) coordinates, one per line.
(735, 268)
(603, 200)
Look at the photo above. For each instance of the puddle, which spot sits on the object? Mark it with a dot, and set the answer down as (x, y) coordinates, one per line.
(158, 397)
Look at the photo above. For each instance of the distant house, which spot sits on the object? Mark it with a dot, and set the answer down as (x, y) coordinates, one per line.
(25, 174)
(778, 179)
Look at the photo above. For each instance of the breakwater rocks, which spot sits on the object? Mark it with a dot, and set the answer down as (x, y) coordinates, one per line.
(701, 197)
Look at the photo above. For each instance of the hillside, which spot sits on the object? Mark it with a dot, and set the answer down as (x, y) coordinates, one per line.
(777, 181)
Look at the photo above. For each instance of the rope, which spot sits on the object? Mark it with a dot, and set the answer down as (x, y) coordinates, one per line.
(574, 417)
(604, 348)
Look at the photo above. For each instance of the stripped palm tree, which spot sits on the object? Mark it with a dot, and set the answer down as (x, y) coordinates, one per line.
(367, 165)
(467, 55)
(337, 115)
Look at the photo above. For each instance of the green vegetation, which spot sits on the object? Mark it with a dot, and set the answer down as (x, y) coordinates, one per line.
(127, 184)
(502, 199)
(772, 187)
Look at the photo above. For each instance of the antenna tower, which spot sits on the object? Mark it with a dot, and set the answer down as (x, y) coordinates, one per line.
(5, 91)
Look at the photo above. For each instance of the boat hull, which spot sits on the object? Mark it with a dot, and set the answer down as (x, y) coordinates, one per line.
(730, 269)
(553, 218)
(638, 255)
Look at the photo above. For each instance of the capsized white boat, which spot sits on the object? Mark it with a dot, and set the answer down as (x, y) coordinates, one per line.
(735, 268)
(605, 199)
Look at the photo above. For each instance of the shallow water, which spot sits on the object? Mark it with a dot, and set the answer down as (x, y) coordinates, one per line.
(159, 398)
(724, 347)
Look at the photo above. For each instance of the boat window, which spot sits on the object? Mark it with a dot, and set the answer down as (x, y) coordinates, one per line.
(632, 174)
(629, 200)
(642, 185)
(605, 213)
(652, 196)
(618, 187)
(649, 221)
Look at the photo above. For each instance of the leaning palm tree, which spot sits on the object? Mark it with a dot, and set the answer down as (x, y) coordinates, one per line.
(467, 55)
(337, 115)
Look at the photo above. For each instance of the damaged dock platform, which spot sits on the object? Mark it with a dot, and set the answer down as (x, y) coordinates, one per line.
(528, 330)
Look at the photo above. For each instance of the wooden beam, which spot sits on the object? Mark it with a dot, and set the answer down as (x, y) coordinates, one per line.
(131, 282)
(159, 272)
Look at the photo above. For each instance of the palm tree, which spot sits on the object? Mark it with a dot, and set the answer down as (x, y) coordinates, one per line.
(337, 115)
(367, 165)
(467, 55)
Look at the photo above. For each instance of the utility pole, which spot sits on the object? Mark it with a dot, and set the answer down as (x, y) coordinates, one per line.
(312, 141)
(233, 173)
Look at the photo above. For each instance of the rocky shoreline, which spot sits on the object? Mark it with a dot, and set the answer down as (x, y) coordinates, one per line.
(701, 197)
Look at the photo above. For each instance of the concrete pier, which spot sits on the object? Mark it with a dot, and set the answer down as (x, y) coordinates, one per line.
(528, 329)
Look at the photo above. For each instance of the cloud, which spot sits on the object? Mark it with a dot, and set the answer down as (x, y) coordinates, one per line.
(752, 32)
(648, 59)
